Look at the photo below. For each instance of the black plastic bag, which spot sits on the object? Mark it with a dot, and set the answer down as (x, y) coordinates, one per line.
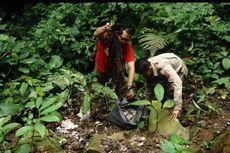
(124, 115)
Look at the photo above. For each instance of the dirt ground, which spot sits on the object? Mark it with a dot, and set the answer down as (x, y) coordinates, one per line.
(203, 129)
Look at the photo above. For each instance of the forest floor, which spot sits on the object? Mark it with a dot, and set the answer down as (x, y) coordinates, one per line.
(110, 138)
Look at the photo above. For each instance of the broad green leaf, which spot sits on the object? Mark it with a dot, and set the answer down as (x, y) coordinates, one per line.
(7, 151)
(226, 63)
(223, 80)
(28, 60)
(159, 92)
(33, 94)
(56, 113)
(47, 102)
(23, 88)
(52, 108)
(9, 127)
(140, 103)
(29, 80)
(23, 130)
(38, 102)
(169, 104)
(55, 62)
(9, 109)
(40, 128)
(30, 105)
(4, 120)
(24, 70)
(178, 140)
(167, 147)
(25, 148)
(3, 37)
(151, 108)
(86, 104)
(47, 87)
(62, 97)
(39, 91)
(50, 118)
(156, 104)
(15, 56)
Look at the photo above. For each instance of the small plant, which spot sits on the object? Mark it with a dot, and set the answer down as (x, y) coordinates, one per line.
(155, 105)
(105, 92)
(176, 144)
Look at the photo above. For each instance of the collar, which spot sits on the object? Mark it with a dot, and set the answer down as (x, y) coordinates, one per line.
(154, 69)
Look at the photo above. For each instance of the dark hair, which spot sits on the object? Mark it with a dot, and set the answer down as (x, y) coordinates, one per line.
(141, 65)
(119, 27)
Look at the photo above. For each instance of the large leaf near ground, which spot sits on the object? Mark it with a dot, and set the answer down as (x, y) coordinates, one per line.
(226, 63)
(9, 109)
(55, 62)
(152, 125)
(166, 126)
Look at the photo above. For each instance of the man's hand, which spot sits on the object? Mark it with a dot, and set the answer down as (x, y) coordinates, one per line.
(130, 94)
(108, 26)
(174, 115)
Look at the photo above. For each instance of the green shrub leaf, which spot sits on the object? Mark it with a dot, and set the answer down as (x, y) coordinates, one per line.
(40, 128)
(23, 130)
(159, 92)
(169, 104)
(51, 108)
(9, 109)
(156, 104)
(50, 118)
(23, 88)
(226, 63)
(140, 103)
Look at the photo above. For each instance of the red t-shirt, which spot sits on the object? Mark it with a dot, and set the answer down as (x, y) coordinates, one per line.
(102, 60)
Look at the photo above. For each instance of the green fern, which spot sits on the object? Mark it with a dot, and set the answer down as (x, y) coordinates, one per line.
(152, 42)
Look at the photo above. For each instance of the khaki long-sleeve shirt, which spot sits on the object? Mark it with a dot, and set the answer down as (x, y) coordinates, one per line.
(174, 69)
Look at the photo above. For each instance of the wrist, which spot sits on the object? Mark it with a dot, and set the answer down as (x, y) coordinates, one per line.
(130, 87)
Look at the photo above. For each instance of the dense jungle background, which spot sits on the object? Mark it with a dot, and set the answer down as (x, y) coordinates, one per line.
(47, 55)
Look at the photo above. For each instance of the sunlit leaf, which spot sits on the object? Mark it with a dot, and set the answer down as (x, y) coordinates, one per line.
(52, 108)
(23, 88)
(226, 63)
(40, 128)
(140, 103)
(25, 148)
(169, 104)
(50, 118)
(39, 91)
(159, 92)
(156, 104)
(23, 130)
(9, 109)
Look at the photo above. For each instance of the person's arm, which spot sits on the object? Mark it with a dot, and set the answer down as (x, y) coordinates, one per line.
(131, 74)
(174, 78)
(100, 31)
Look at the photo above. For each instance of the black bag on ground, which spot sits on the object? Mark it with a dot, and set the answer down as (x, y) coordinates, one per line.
(124, 115)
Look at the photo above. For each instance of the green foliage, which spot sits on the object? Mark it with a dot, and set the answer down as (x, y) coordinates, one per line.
(86, 104)
(155, 105)
(152, 42)
(105, 92)
(43, 48)
(175, 145)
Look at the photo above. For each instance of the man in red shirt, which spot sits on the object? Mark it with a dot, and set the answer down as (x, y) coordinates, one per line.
(107, 61)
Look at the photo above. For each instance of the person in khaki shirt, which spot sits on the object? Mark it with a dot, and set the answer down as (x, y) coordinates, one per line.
(166, 67)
